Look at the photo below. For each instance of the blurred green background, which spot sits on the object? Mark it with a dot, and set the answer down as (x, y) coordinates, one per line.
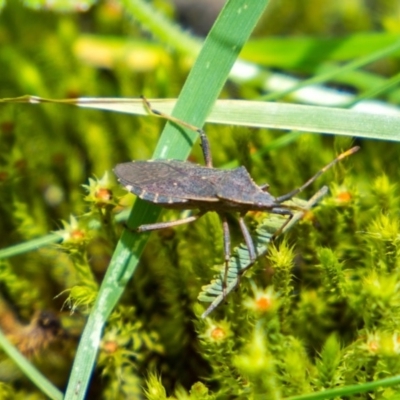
(70, 49)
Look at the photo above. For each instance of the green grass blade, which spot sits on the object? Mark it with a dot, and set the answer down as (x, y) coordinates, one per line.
(30, 245)
(49, 239)
(353, 65)
(61, 6)
(258, 114)
(202, 87)
(349, 390)
(387, 85)
(290, 116)
(29, 370)
(161, 27)
(312, 119)
(290, 52)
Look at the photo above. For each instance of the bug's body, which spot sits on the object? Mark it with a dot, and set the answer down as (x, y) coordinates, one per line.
(184, 185)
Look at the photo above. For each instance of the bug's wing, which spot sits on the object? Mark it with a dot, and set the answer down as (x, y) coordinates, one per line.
(237, 186)
(167, 181)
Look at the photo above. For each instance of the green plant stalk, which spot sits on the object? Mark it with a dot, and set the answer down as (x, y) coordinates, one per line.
(49, 239)
(30, 245)
(161, 27)
(348, 390)
(56, 6)
(199, 93)
(30, 370)
(353, 65)
(389, 84)
(258, 114)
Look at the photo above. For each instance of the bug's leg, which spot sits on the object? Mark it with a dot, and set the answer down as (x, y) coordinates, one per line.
(169, 224)
(282, 211)
(248, 239)
(289, 195)
(264, 187)
(249, 243)
(227, 245)
(227, 250)
(205, 144)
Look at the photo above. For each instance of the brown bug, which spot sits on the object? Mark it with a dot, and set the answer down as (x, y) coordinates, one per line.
(186, 186)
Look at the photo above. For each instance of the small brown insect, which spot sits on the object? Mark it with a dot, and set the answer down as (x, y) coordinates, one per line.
(186, 186)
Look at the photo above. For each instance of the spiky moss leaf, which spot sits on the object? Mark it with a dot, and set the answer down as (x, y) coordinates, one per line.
(154, 388)
(28, 224)
(384, 231)
(257, 364)
(368, 358)
(328, 373)
(377, 301)
(294, 366)
(83, 294)
(167, 273)
(312, 318)
(23, 293)
(385, 195)
(332, 273)
(337, 225)
(200, 392)
(7, 392)
(282, 259)
(126, 348)
(217, 343)
(210, 250)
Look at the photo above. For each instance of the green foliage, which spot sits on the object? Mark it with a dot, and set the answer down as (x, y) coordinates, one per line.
(327, 374)
(257, 367)
(126, 346)
(319, 311)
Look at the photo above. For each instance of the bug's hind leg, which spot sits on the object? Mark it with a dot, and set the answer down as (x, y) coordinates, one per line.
(282, 211)
(227, 250)
(247, 239)
(227, 246)
(169, 224)
(249, 243)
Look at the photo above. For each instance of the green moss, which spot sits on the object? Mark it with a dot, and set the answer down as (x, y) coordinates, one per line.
(319, 311)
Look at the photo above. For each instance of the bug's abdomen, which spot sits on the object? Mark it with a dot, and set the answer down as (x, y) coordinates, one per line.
(145, 188)
(169, 183)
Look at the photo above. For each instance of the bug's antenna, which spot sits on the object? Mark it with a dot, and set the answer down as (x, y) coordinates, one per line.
(340, 157)
(205, 145)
